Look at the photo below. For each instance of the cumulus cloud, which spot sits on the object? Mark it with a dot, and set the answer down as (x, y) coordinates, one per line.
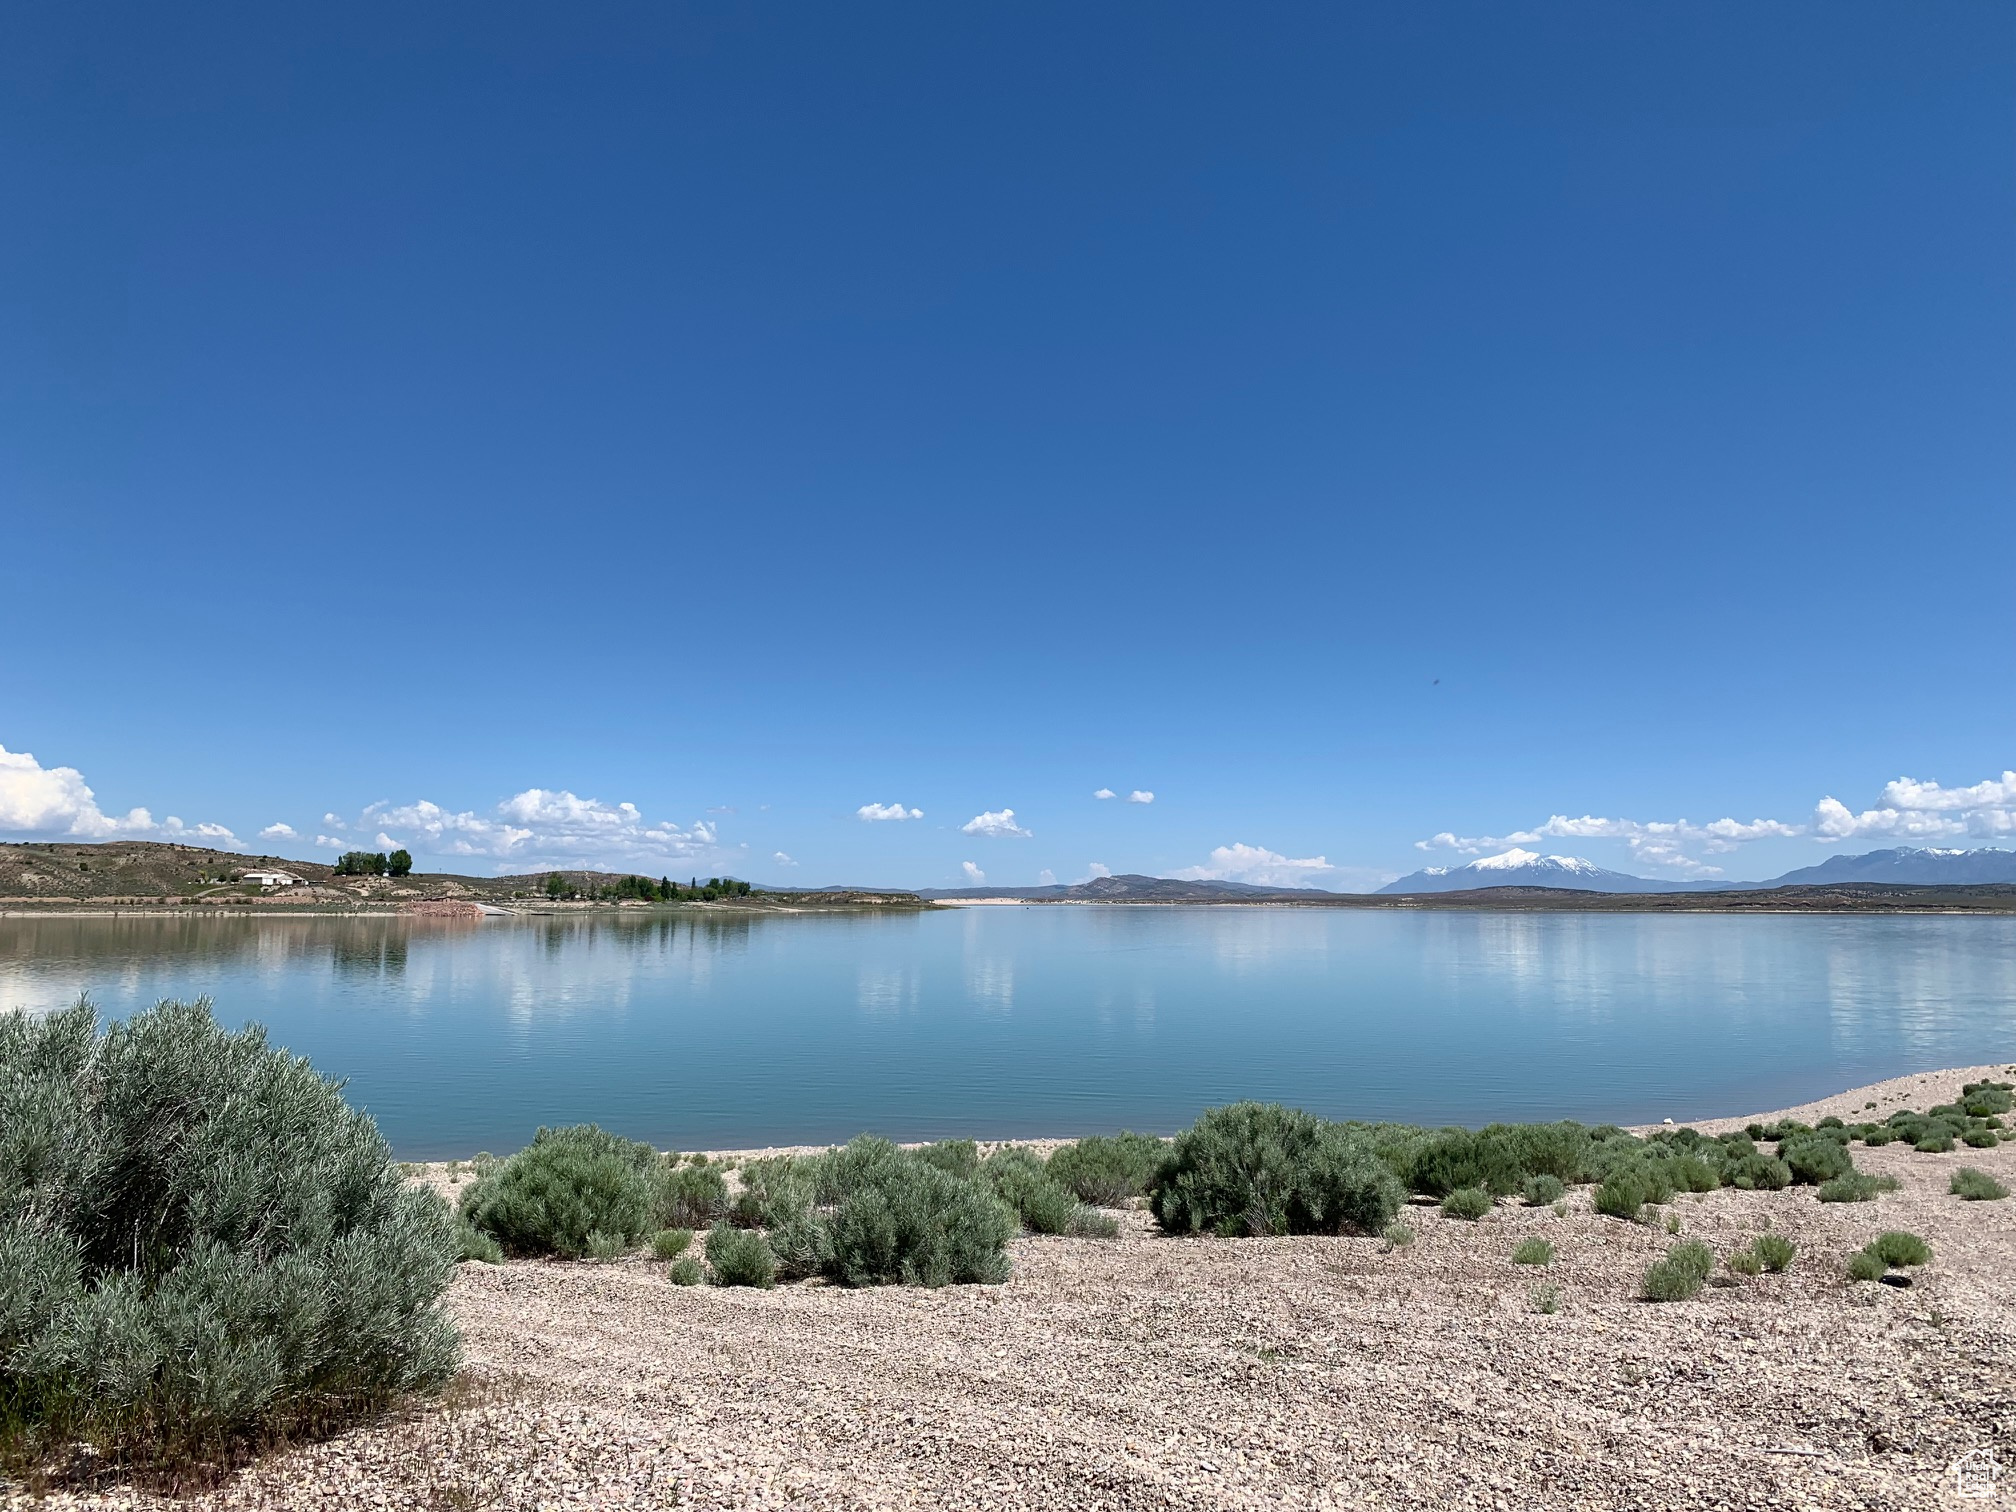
(1105, 793)
(1907, 810)
(1912, 810)
(996, 824)
(973, 873)
(39, 800)
(277, 832)
(1096, 869)
(333, 821)
(783, 860)
(1140, 795)
(1258, 865)
(1046, 878)
(539, 829)
(330, 842)
(876, 813)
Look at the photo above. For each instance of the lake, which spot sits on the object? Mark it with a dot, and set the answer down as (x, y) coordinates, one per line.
(728, 1030)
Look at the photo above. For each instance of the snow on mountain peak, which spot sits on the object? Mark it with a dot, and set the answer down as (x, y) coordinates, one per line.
(1515, 858)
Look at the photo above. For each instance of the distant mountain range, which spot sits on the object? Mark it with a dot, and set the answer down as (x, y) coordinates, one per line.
(1904, 866)
(1128, 887)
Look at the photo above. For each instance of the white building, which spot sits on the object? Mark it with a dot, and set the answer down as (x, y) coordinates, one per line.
(269, 878)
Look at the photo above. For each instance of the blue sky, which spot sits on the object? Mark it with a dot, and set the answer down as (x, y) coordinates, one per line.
(1352, 425)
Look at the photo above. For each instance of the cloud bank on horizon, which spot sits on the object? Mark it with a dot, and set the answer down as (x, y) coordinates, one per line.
(1908, 809)
(542, 828)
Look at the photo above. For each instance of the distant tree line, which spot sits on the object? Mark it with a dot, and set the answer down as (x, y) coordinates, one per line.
(374, 864)
(644, 890)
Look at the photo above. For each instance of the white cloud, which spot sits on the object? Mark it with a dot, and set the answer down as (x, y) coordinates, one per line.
(39, 800)
(1046, 878)
(1105, 793)
(783, 860)
(330, 842)
(277, 832)
(997, 824)
(1140, 795)
(1096, 869)
(973, 873)
(875, 813)
(387, 843)
(541, 829)
(1912, 810)
(1907, 810)
(333, 821)
(1256, 864)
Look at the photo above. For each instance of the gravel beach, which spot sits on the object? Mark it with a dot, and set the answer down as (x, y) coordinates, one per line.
(1151, 1372)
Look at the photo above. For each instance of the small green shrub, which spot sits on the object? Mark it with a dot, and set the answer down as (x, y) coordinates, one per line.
(1878, 1136)
(1259, 1168)
(568, 1183)
(1533, 1252)
(1467, 1203)
(1863, 1266)
(803, 1244)
(1980, 1139)
(773, 1187)
(1398, 1235)
(1756, 1171)
(603, 1246)
(1813, 1160)
(691, 1196)
(1857, 1186)
(1020, 1179)
(1088, 1222)
(1976, 1186)
(685, 1272)
(477, 1245)
(1986, 1098)
(671, 1243)
(1693, 1174)
(900, 1221)
(1545, 1298)
(1774, 1250)
(1938, 1142)
(1680, 1275)
(1899, 1248)
(1830, 1122)
(1621, 1196)
(740, 1257)
(1543, 1190)
(1107, 1170)
(1746, 1263)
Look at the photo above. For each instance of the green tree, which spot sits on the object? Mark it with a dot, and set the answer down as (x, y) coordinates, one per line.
(556, 886)
(399, 863)
(361, 864)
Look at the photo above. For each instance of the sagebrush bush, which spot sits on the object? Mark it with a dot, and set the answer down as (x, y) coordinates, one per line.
(1545, 1298)
(1543, 1190)
(1857, 1186)
(1899, 1248)
(1398, 1235)
(1863, 1266)
(474, 1244)
(671, 1243)
(603, 1246)
(1019, 1178)
(685, 1271)
(1755, 1171)
(1680, 1275)
(900, 1221)
(1533, 1252)
(1467, 1203)
(955, 1157)
(1259, 1168)
(1746, 1263)
(1774, 1250)
(1107, 1170)
(1088, 1222)
(1620, 1196)
(740, 1257)
(1985, 1098)
(200, 1241)
(1936, 1142)
(568, 1183)
(1980, 1139)
(690, 1196)
(1976, 1186)
(1814, 1159)
(773, 1188)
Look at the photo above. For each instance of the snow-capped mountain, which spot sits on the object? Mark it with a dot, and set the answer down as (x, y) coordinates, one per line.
(1524, 868)
(1907, 864)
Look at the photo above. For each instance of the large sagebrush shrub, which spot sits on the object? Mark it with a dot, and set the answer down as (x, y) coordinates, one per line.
(898, 1220)
(1259, 1168)
(1019, 1179)
(564, 1186)
(200, 1241)
(1107, 1170)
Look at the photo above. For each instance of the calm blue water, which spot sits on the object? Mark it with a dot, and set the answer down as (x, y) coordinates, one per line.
(726, 1031)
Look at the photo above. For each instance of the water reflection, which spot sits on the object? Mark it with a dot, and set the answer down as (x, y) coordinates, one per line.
(706, 1030)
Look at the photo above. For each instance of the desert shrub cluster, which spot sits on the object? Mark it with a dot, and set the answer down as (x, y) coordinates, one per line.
(201, 1243)
(1259, 1168)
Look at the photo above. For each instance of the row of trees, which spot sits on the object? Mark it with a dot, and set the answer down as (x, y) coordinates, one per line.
(644, 890)
(374, 864)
